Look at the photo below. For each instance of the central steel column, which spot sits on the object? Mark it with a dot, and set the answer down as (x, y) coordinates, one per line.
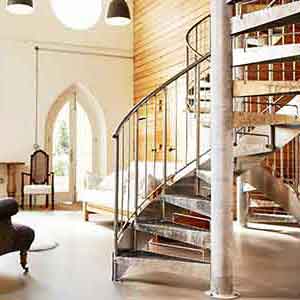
(242, 203)
(222, 153)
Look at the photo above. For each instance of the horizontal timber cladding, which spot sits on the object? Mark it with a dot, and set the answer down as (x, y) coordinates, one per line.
(159, 39)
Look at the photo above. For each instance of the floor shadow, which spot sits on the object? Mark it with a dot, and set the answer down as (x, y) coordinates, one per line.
(167, 280)
(279, 230)
(104, 223)
(9, 284)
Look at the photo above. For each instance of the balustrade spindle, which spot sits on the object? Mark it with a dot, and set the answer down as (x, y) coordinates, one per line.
(122, 175)
(165, 132)
(116, 216)
(129, 165)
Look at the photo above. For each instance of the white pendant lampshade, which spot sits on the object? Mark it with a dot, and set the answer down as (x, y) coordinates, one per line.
(118, 13)
(19, 7)
(77, 14)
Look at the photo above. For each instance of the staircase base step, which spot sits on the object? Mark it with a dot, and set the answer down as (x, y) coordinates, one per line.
(141, 255)
(179, 250)
(131, 258)
(273, 219)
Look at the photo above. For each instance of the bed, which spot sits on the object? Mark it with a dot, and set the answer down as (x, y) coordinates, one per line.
(98, 195)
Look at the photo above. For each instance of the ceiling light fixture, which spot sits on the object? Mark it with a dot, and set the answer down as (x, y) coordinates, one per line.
(77, 14)
(19, 7)
(118, 13)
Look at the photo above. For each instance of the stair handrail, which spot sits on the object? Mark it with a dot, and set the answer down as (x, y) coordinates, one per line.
(125, 215)
(190, 32)
(156, 91)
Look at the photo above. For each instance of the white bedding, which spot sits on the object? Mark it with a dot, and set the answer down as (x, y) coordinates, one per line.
(103, 193)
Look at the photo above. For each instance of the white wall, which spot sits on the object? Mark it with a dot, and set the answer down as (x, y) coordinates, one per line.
(109, 79)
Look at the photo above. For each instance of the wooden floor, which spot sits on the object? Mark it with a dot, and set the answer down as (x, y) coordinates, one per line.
(267, 266)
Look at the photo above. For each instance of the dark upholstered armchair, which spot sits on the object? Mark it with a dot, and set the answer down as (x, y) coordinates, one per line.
(14, 237)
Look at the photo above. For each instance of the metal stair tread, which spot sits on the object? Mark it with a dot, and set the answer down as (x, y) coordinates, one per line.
(265, 18)
(272, 218)
(183, 233)
(266, 54)
(185, 196)
(169, 224)
(140, 254)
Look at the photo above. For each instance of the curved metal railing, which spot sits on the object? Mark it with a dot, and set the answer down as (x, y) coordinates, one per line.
(159, 138)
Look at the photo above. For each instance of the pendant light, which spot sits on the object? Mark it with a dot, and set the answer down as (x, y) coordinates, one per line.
(20, 7)
(118, 13)
(77, 14)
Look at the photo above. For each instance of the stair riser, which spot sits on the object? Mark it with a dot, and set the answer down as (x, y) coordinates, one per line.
(193, 237)
(199, 206)
(192, 221)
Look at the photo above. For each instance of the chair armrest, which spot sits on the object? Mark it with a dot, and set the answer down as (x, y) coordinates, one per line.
(51, 174)
(25, 174)
(8, 208)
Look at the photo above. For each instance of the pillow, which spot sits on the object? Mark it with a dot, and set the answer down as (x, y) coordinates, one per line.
(108, 183)
(93, 181)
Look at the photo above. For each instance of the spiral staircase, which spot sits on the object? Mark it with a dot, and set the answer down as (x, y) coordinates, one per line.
(165, 139)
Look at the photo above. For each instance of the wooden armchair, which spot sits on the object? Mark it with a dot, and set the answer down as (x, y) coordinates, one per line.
(41, 182)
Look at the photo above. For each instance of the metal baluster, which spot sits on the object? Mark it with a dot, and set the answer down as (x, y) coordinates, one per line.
(155, 142)
(165, 149)
(297, 163)
(165, 135)
(198, 126)
(294, 41)
(281, 163)
(116, 217)
(271, 98)
(129, 164)
(176, 126)
(186, 121)
(136, 196)
(187, 56)
(146, 152)
(288, 161)
(258, 77)
(283, 43)
(246, 77)
(294, 162)
(122, 176)
(198, 107)
(196, 41)
(270, 68)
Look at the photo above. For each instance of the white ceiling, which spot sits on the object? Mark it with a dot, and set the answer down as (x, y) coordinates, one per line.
(43, 27)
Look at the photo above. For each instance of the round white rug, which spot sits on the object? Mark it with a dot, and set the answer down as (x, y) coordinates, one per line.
(42, 243)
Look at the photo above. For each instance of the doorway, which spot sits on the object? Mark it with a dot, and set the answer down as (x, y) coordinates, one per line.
(73, 148)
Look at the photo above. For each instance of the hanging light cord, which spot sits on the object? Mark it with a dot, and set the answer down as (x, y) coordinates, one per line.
(36, 145)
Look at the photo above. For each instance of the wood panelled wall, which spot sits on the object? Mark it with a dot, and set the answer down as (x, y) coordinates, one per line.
(160, 27)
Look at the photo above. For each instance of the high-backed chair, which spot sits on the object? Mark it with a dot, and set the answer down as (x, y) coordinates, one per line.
(14, 237)
(41, 181)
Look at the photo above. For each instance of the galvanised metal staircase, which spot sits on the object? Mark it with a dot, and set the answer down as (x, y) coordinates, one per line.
(163, 144)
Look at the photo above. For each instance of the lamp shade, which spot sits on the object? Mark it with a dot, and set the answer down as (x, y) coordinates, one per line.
(20, 7)
(77, 14)
(118, 13)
